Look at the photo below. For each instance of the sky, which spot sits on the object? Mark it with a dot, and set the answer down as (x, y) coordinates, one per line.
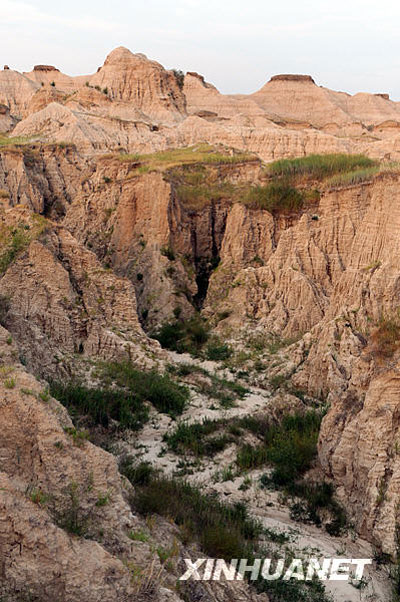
(348, 45)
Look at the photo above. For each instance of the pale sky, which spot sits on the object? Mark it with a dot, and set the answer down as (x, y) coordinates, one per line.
(349, 45)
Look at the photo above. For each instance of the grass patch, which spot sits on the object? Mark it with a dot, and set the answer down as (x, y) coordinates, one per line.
(211, 385)
(250, 457)
(318, 167)
(126, 404)
(385, 339)
(223, 531)
(218, 351)
(13, 141)
(353, 177)
(316, 500)
(290, 447)
(166, 395)
(183, 336)
(275, 196)
(197, 438)
(138, 474)
(102, 405)
(197, 186)
(196, 197)
(15, 240)
(200, 153)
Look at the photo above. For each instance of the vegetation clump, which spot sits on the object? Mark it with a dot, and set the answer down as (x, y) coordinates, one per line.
(211, 385)
(199, 154)
(179, 77)
(353, 177)
(198, 438)
(183, 336)
(385, 339)
(223, 531)
(6, 141)
(70, 513)
(290, 447)
(319, 167)
(275, 196)
(125, 404)
(102, 405)
(217, 351)
(15, 240)
(166, 395)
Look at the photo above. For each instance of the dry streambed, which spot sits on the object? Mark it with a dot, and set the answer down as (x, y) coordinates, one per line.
(217, 472)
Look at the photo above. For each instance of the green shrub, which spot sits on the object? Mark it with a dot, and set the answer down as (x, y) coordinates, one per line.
(290, 447)
(69, 513)
(250, 457)
(16, 240)
(218, 351)
(183, 336)
(19, 240)
(168, 253)
(317, 498)
(165, 394)
(102, 405)
(195, 438)
(179, 77)
(385, 339)
(138, 474)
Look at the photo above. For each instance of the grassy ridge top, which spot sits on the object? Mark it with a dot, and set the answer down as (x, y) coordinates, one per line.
(286, 185)
(330, 170)
(199, 154)
(16, 141)
(319, 167)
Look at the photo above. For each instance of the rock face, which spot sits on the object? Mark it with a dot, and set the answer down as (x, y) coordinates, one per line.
(134, 104)
(133, 78)
(38, 557)
(45, 68)
(6, 121)
(288, 77)
(16, 91)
